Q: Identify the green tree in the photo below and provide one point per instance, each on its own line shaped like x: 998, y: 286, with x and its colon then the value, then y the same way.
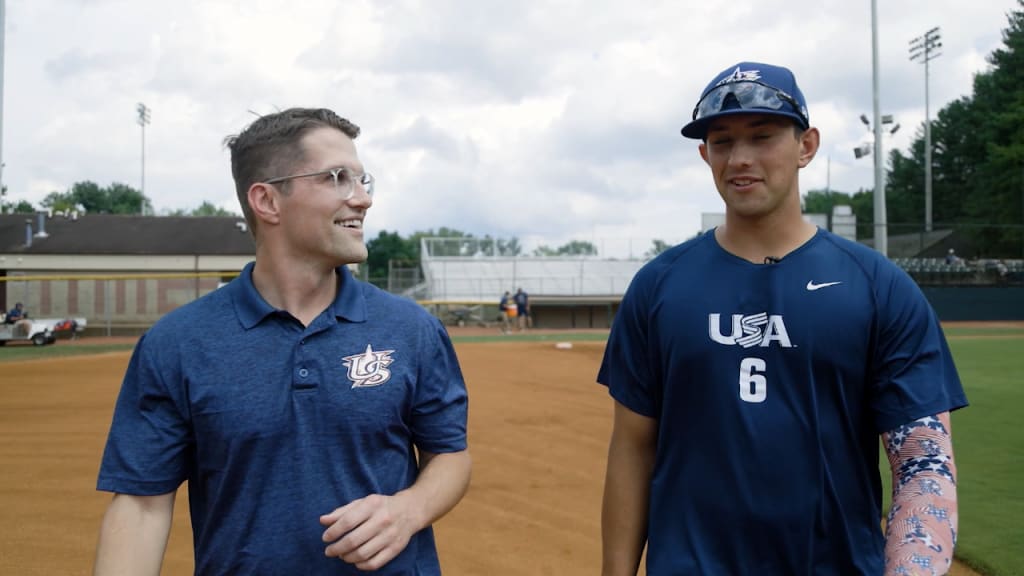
x: 58, y: 202
x: 116, y: 199
x: 124, y: 199
x: 387, y: 246
x: 204, y: 209
x: 572, y: 248
x: 22, y: 207
x: 863, y: 204
x: 977, y: 158
x: 822, y: 201
x: 657, y: 247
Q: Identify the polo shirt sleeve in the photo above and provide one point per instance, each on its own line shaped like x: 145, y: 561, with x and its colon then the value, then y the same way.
x: 914, y: 374
x: 150, y: 437
x: 440, y: 402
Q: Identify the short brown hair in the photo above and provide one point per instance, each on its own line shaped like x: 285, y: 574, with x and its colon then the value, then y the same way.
x: 269, y: 147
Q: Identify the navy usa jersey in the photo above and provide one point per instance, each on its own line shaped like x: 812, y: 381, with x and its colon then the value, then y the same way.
x: 771, y: 384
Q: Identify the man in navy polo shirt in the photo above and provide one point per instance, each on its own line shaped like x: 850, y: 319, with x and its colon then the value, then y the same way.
x: 320, y: 423
x: 754, y: 369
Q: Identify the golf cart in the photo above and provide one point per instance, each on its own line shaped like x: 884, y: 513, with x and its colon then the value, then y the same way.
x: 28, y: 330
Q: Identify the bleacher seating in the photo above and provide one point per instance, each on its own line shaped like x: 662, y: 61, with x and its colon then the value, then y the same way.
x: 935, y: 271
x: 485, y: 279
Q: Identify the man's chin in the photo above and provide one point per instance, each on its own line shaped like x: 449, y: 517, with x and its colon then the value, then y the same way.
x: 355, y: 256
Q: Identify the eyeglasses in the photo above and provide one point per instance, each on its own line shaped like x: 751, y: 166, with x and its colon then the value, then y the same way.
x: 750, y: 95
x: 344, y: 180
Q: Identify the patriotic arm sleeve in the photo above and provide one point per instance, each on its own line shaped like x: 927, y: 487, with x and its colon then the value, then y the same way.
x: 921, y: 528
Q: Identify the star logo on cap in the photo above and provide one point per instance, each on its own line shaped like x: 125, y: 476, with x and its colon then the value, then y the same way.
x: 741, y: 76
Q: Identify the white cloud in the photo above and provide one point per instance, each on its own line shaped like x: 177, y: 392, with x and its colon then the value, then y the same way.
x: 549, y: 121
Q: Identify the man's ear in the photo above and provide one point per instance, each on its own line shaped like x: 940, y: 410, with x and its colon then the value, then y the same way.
x: 704, y: 152
x: 810, y: 140
x: 265, y: 202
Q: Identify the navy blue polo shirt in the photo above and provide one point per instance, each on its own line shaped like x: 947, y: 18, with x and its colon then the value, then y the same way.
x: 273, y: 424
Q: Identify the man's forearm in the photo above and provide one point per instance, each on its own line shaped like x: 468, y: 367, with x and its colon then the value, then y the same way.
x: 627, y: 490
x: 442, y: 482
x: 133, y: 535
x: 921, y: 528
x: 624, y: 518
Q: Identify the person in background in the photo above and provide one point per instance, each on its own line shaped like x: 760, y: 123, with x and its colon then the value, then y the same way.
x: 18, y: 317
x: 319, y: 421
x: 754, y: 368
x: 507, y: 309
x: 522, y: 300
x: 15, y: 314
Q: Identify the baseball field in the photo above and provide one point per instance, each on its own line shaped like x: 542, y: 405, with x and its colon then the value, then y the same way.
x: 538, y: 428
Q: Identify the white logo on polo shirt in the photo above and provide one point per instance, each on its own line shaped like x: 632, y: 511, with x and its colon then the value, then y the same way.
x: 369, y: 368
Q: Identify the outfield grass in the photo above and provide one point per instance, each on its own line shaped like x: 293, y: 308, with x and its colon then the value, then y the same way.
x: 993, y: 332
x: 988, y: 442
x: 27, y: 352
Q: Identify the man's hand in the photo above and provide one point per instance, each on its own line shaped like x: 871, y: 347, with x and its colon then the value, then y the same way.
x: 369, y: 532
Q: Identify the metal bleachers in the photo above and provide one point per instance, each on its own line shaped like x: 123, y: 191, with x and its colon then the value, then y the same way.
x: 936, y: 271
x: 485, y: 279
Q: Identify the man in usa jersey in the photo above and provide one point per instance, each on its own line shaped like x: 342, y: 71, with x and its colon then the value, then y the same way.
x: 755, y: 368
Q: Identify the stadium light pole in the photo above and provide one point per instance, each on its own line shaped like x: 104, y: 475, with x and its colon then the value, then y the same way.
x: 924, y: 48
x: 142, y: 120
x: 881, y: 228
x: 866, y: 150
x: 3, y: 41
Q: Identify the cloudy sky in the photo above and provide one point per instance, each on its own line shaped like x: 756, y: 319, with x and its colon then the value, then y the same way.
x: 547, y: 120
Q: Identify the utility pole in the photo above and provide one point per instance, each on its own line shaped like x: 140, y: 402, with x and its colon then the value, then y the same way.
x: 143, y: 119
x: 881, y: 228
x: 924, y: 48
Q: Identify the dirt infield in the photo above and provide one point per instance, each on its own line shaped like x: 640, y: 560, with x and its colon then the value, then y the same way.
x: 538, y: 429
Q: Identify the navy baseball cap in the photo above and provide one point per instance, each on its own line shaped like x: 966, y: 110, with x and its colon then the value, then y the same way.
x: 745, y: 88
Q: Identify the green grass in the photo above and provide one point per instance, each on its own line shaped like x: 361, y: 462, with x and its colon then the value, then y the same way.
x: 988, y: 442
x: 11, y: 353
x: 1003, y: 331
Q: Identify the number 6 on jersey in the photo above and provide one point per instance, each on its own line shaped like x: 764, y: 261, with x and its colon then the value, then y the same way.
x: 753, y: 386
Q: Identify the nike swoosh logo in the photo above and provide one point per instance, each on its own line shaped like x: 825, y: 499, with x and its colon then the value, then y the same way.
x: 812, y: 286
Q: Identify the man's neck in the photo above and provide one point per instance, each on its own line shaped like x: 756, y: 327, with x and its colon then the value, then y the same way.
x: 760, y: 240
x: 304, y: 289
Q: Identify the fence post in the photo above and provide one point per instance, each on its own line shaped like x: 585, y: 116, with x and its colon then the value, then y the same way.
x: 106, y: 306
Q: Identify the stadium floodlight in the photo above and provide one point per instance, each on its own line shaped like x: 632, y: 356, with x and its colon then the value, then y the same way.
x: 142, y: 120
x: 925, y: 48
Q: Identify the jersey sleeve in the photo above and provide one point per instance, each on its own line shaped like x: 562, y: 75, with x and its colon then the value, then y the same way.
x: 626, y: 368
x: 914, y: 374
x: 150, y: 439
x: 441, y: 402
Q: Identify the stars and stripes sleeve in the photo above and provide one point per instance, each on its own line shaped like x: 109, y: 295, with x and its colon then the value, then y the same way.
x: 921, y: 527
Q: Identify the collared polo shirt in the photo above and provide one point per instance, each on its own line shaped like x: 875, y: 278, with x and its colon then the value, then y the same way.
x: 273, y: 423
